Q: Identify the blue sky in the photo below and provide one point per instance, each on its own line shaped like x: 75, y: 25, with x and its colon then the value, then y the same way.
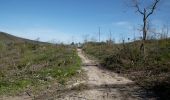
x: 70, y: 20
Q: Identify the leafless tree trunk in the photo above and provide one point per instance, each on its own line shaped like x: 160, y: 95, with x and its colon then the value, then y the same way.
x: 99, y: 42
x: 86, y: 38
x: 145, y: 12
x: 99, y: 34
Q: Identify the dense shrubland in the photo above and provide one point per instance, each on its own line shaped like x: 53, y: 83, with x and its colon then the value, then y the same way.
x: 152, y: 73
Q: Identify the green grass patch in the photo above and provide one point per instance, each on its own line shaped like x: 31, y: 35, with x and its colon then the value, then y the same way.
x: 24, y: 65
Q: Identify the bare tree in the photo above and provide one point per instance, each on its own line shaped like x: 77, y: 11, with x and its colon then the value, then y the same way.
x: 146, y: 12
x: 86, y: 38
x: 99, y: 34
x: 164, y: 34
x: 110, y: 40
x: 93, y: 39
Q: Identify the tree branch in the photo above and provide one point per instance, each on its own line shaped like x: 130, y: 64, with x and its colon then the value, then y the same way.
x: 153, y: 8
x: 138, y: 9
x: 136, y: 5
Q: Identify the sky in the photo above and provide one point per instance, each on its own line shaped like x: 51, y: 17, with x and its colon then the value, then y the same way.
x: 74, y: 20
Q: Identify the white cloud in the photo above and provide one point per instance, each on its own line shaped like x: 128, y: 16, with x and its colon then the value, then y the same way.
x: 123, y: 25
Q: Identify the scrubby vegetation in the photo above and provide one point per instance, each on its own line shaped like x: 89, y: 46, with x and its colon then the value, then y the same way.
x: 151, y: 73
x: 32, y: 65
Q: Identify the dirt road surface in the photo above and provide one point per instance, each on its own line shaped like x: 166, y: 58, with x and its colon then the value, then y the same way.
x: 104, y: 85
x: 100, y: 84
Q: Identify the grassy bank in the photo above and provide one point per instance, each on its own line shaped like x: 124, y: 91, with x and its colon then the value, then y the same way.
x: 153, y: 73
x: 26, y: 65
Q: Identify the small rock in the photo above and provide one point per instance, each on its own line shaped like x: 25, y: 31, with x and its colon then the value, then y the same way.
x: 48, y: 78
x: 79, y: 71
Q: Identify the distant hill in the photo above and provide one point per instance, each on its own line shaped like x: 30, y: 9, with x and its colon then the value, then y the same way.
x: 10, y: 38
x: 6, y: 37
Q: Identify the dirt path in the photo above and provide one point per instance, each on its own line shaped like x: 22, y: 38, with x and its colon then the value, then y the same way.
x: 100, y: 85
x: 103, y: 85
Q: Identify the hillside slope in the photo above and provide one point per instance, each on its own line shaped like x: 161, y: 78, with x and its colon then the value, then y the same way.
x: 10, y: 38
x: 30, y: 67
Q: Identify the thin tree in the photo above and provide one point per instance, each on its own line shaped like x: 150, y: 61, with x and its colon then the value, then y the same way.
x: 110, y: 37
x: 146, y: 12
x: 99, y: 42
x: 99, y: 34
x: 86, y: 38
